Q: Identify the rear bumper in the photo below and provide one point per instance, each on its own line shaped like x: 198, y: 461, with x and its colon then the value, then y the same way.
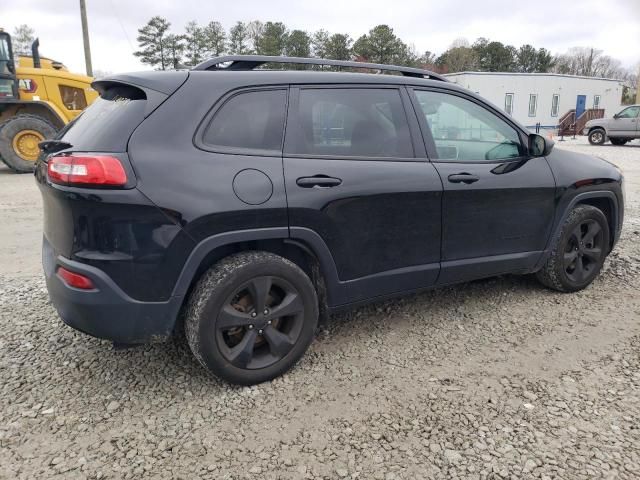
x: 106, y: 311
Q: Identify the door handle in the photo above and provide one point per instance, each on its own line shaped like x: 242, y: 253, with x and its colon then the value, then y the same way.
x: 463, y: 178
x: 321, y: 181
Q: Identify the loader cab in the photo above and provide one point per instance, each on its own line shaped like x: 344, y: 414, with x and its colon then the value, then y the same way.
x: 8, y: 80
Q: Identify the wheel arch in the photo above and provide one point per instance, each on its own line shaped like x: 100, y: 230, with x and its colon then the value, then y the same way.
x: 300, y: 251
x: 40, y: 109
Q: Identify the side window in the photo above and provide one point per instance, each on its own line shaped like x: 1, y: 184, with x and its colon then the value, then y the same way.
x: 508, y: 103
x: 359, y: 122
x: 555, y: 102
x: 533, y: 104
x: 631, y: 112
x: 463, y: 130
x: 596, y: 101
x: 251, y: 120
x: 73, y: 98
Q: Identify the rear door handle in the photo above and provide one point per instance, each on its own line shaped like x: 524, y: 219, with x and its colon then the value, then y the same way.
x: 321, y: 181
x: 463, y: 178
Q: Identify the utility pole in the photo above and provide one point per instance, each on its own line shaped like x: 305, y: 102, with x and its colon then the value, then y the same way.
x: 85, y: 37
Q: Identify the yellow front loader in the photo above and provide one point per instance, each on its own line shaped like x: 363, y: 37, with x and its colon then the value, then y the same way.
x: 38, y: 97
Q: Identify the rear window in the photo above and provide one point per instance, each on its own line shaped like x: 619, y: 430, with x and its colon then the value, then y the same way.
x: 108, y: 122
x: 251, y: 120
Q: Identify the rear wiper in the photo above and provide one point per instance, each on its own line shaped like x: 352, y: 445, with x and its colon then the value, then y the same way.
x: 50, y: 146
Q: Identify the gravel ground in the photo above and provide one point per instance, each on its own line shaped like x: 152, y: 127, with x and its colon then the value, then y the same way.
x: 497, y: 378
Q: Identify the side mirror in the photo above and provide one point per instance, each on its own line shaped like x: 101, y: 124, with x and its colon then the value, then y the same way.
x: 616, y: 116
x: 539, y: 146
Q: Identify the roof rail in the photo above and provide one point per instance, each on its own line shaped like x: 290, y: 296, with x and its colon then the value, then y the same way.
x: 250, y: 62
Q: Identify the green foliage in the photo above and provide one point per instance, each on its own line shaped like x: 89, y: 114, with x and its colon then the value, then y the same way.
x: 297, y: 44
x: 215, y: 39
x: 239, y: 39
x: 273, y: 39
x: 152, y: 41
x: 338, y: 47
x: 160, y: 49
x: 381, y: 45
x: 22, y: 38
x: 195, y: 45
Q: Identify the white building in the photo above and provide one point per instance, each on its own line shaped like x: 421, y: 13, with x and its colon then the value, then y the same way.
x: 542, y: 97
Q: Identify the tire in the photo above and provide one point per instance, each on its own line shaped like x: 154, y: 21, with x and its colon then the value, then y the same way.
x: 23, y: 132
x: 597, y: 136
x: 618, y: 141
x: 578, y: 252
x: 243, y: 341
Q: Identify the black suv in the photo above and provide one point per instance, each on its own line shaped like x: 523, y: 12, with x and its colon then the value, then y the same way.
x: 243, y: 203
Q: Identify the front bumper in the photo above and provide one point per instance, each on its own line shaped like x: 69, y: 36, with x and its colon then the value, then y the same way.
x: 106, y: 311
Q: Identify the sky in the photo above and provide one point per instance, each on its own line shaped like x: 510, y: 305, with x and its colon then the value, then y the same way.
x: 611, y: 25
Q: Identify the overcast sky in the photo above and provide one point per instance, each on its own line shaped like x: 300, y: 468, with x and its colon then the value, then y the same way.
x: 609, y: 25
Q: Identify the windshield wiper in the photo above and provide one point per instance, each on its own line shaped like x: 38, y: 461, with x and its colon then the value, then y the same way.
x: 50, y: 146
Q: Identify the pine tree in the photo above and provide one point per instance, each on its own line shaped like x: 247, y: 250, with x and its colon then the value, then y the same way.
x: 151, y: 39
x: 239, y: 39
x: 215, y: 39
x: 195, y: 44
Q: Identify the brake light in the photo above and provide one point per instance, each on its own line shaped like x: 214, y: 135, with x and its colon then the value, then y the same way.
x: 86, y: 170
x: 75, y: 279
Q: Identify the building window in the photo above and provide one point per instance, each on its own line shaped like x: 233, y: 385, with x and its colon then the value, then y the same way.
x: 533, y: 104
x: 596, y: 101
x: 555, y: 104
x: 508, y: 103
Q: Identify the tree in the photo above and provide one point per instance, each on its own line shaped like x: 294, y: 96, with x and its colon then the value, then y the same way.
x: 319, y: 42
x: 380, y: 45
x: 151, y: 39
x: 238, y: 39
x: 544, y: 61
x: 215, y: 39
x: 273, y: 39
x: 457, y: 59
x: 589, y: 62
x: 298, y: 44
x: 338, y: 47
x: 174, y: 46
x: 494, y: 56
x: 255, y: 28
x: 195, y: 45
x: 527, y: 59
x: 23, y: 37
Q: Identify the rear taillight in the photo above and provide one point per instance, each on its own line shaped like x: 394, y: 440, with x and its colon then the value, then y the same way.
x: 86, y: 170
x: 75, y: 279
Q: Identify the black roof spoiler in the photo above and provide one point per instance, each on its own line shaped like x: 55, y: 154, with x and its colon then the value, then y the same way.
x: 250, y: 62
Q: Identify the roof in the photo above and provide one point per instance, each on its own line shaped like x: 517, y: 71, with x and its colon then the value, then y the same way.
x: 524, y: 74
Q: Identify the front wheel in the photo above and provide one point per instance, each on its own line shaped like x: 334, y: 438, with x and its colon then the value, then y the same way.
x: 579, y: 251
x: 251, y: 317
x: 597, y: 136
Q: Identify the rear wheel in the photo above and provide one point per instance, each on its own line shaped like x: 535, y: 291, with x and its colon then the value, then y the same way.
x: 597, y: 136
x: 579, y: 251
x: 618, y: 141
x: 251, y: 317
x: 19, y: 138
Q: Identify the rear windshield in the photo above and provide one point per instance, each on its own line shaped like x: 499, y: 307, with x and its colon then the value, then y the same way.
x: 107, y: 124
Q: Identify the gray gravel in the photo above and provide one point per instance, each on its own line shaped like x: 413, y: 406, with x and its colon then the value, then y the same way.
x: 497, y: 378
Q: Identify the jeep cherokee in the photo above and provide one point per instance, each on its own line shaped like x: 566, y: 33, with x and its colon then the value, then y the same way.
x: 240, y: 204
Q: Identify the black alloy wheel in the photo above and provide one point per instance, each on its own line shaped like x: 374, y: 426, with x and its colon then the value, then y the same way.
x: 584, y: 250
x: 260, y: 322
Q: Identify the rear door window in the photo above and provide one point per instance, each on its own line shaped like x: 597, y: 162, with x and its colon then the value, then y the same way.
x: 251, y: 121
x: 351, y: 122
x: 107, y: 124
